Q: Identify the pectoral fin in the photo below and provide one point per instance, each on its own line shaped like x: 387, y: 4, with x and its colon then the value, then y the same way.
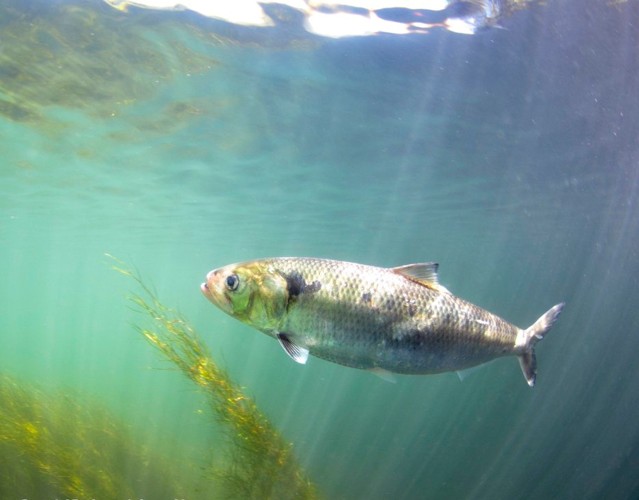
x: 297, y: 353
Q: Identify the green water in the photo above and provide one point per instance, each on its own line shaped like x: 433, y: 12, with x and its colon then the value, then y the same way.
x: 509, y: 157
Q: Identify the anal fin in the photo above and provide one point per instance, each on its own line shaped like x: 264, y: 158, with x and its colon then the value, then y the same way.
x: 467, y: 372
x: 383, y: 374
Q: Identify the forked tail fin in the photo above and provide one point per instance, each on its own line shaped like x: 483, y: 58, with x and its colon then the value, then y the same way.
x: 532, y: 335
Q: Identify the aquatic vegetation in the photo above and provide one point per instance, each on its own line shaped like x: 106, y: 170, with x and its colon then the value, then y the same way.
x: 262, y: 463
x: 59, y: 445
x: 84, y: 55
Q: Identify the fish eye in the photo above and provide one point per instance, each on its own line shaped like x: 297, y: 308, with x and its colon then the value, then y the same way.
x: 232, y: 282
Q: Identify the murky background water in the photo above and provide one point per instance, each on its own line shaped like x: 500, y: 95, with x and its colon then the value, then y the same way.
x: 180, y: 144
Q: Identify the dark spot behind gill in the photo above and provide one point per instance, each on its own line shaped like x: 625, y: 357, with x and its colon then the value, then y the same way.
x: 313, y: 287
x: 296, y: 285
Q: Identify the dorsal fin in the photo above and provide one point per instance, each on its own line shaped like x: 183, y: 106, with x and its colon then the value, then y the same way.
x: 424, y: 273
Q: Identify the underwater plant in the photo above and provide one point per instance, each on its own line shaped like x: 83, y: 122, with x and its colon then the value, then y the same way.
x: 84, y: 56
x: 262, y: 463
x: 54, y: 444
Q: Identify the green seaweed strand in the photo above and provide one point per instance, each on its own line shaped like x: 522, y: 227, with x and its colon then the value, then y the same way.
x: 262, y: 462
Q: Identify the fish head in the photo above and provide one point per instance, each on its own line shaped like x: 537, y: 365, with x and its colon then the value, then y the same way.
x: 252, y: 292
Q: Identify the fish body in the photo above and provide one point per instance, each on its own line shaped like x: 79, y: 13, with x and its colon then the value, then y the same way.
x: 398, y: 320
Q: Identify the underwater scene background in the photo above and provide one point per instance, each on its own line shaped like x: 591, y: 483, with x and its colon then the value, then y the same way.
x: 179, y: 144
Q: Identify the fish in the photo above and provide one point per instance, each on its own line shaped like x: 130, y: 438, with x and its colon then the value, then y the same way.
x: 386, y: 320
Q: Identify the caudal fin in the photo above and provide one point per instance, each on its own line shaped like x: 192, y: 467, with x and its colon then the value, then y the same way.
x: 530, y: 336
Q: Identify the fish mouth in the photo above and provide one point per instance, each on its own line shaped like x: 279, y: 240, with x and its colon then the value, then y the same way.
x: 213, y: 291
x: 210, y: 289
x: 208, y: 293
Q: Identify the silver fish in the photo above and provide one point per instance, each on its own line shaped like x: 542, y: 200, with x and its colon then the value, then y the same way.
x: 398, y: 320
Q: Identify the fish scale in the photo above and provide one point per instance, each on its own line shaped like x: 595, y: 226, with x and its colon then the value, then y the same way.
x: 398, y: 320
